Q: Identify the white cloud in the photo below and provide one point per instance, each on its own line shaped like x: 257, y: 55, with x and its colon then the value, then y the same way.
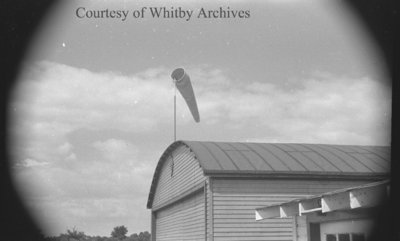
x: 78, y: 173
x: 63, y: 98
x: 117, y: 150
x: 322, y: 108
x: 32, y: 163
x: 65, y: 148
x: 71, y: 157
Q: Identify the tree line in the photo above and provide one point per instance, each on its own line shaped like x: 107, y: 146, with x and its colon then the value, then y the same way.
x: 119, y: 233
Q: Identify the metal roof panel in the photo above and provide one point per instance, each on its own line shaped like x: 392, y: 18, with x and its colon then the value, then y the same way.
x: 201, y: 151
x: 358, y: 149
x: 283, y: 160
x: 307, y: 162
x: 379, y: 150
x: 298, y: 147
x: 284, y: 147
x: 378, y: 160
x: 331, y: 156
x: 240, y: 160
x: 257, y: 162
x: 269, y: 158
x: 286, y: 159
x: 321, y: 162
x: 371, y: 164
x: 348, y: 158
x: 224, y: 160
x: 239, y: 146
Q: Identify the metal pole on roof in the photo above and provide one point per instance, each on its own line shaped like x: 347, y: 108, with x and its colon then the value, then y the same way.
x: 174, y: 110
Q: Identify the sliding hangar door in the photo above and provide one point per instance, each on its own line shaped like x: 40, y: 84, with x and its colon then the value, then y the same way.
x: 183, y: 220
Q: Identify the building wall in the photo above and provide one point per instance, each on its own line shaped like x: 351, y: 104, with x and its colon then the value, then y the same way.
x: 179, y: 204
x: 186, y: 175
x: 184, y: 220
x: 209, y: 204
x: 234, y: 202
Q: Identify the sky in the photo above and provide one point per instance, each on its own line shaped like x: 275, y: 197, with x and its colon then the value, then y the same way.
x: 92, y: 112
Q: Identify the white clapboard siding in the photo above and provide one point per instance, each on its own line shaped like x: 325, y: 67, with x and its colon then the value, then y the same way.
x: 234, y: 202
x: 183, y: 220
x: 209, y: 212
x: 187, y: 174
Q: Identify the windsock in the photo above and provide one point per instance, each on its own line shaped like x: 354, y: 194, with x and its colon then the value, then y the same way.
x: 182, y: 82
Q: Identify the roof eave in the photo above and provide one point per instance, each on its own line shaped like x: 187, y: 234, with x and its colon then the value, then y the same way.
x: 295, y: 175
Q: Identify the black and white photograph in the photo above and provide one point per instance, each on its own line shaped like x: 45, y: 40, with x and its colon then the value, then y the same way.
x: 176, y: 120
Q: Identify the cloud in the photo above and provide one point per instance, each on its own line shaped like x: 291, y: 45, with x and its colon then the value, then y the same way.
x: 77, y: 97
x: 117, y: 150
x: 322, y: 108
x: 90, y: 141
x: 31, y: 163
x: 65, y: 148
x: 56, y: 99
x: 53, y: 100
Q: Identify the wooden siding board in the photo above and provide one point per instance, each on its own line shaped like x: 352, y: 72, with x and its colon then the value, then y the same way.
x: 183, y: 220
x: 247, y: 189
x: 253, y: 239
x: 239, y: 221
x: 272, y: 221
x: 251, y: 225
x: 187, y: 174
x: 279, y: 238
x: 256, y: 203
x: 252, y: 233
x: 206, y: 207
x: 235, y: 200
x: 210, y: 229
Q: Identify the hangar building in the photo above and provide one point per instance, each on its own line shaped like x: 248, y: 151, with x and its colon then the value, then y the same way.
x: 210, y: 190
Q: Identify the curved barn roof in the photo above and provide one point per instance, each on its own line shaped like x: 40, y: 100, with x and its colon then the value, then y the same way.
x: 283, y: 160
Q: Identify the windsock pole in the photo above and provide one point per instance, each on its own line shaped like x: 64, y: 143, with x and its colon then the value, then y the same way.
x: 174, y: 110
